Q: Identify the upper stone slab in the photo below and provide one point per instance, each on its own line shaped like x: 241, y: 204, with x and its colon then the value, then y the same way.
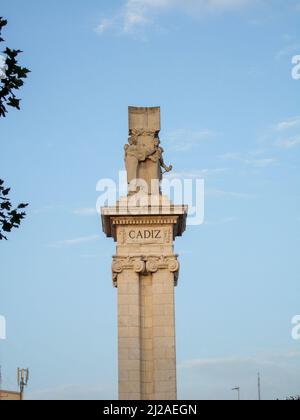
x: 133, y: 210
x: 141, y: 118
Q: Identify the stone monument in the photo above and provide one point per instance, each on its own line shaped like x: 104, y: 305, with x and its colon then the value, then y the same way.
x: 145, y: 268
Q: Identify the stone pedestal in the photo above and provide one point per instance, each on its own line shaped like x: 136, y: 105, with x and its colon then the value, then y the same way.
x: 145, y: 271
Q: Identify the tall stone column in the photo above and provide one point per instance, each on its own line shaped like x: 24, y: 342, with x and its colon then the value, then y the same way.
x: 145, y: 268
x: 145, y: 271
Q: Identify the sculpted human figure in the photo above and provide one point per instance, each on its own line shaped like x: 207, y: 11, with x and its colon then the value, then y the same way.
x: 158, y: 158
x: 131, y: 159
x: 144, y: 159
x: 134, y: 154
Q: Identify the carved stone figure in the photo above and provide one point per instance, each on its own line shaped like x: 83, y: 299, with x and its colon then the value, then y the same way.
x: 157, y: 157
x: 144, y: 161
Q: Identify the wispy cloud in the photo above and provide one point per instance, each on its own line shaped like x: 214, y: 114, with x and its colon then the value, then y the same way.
x: 75, y: 241
x: 269, y: 359
x: 213, y: 378
x: 193, y: 363
x: 251, y: 159
x: 89, y: 256
x: 104, y: 25
x: 224, y: 221
x: 182, y: 140
x: 288, y: 50
x: 289, y: 143
x: 48, y: 209
x: 231, y: 194
x: 286, y: 133
x: 288, y: 124
x: 86, y: 211
x: 136, y: 14
x: 73, y: 392
x: 196, y: 174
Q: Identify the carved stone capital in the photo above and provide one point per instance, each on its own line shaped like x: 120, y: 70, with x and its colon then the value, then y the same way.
x: 139, y: 266
x: 117, y: 266
x: 173, y: 265
x: 151, y: 265
x: 145, y: 265
x: 130, y: 263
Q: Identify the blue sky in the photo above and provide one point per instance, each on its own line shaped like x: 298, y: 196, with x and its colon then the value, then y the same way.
x: 221, y: 72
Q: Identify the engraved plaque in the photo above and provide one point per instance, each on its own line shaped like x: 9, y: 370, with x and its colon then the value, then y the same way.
x: 145, y: 235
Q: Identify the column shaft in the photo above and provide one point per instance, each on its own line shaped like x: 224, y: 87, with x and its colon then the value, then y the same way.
x: 147, y: 366
x: 164, y: 347
x: 146, y: 331
x: 129, y: 335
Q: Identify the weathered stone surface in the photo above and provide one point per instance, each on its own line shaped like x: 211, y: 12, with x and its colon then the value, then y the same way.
x: 9, y: 396
x: 143, y: 154
x: 145, y: 271
x: 146, y: 212
x: 141, y: 118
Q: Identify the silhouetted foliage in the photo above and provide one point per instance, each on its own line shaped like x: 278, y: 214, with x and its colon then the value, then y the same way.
x: 294, y: 398
x: 9, y: 218
x: 11, y: 79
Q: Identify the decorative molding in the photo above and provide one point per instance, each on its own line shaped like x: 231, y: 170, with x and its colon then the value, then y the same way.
x: 126, y: 221
x: 145, y: 265
x: 124, y: 214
